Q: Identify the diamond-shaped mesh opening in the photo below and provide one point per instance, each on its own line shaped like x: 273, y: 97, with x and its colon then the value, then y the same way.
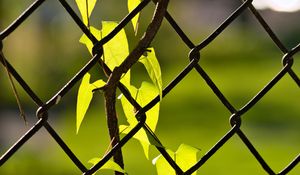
x: 266, y: 124
x: 40, y: 154
x: 232, y: 153
x: 81, y: 144
x: 234, y: 68
x: 35, y: 48
x: 182, y: 108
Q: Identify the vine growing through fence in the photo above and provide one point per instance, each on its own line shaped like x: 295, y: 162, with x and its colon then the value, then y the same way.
x: 115, y: 53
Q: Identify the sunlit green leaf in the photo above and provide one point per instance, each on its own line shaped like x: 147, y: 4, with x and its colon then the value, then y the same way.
x: 84, y: 97
x: 85, y: 40
x: 153, y: 68
x: 162, y: 166
x: 185, y: 157
x: 132, y: 4
x: 109, y: 165
x: 116, y: 50
x: 145, y: 138
x: 143, y: 95
x: 86, y: 7
x: 97, y: 84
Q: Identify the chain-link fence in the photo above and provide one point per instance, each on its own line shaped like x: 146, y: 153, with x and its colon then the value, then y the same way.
x: 194, y: 64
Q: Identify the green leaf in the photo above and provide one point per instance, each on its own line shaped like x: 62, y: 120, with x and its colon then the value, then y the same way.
x: 116, y: 50
x: 97, y: 84
x: 185, y: 157
x: 109, y: 165
x: 162, y: 166
x: 153, y: 68
x: 85, y: 40
x: 84, y: 97
x: 132, y: 4
x: 145, y: 138
x: 86, y: 7
x: 143, y: 95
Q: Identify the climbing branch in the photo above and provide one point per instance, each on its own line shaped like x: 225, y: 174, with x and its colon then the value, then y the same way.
x: 115, y: 76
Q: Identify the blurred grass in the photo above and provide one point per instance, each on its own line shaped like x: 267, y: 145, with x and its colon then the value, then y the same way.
x: 190, y: 114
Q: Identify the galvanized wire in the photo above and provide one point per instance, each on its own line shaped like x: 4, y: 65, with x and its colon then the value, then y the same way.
x: 194, y: 56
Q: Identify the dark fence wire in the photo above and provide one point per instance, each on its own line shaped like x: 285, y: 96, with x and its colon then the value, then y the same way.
x: 194, y: 56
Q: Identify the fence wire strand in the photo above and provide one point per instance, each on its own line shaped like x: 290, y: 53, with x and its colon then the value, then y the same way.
x: 194, y: 63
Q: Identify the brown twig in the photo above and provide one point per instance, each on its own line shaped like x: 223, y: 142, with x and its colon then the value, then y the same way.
x: 15, y: 92
x: 115, y: 76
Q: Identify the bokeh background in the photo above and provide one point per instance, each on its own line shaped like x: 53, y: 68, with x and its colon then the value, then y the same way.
x: 45, y: 50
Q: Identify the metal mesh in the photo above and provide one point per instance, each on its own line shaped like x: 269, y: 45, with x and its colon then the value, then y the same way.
x: 194, y: 57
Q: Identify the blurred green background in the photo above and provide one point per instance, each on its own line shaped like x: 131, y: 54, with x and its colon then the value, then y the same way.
x: 45, y: 50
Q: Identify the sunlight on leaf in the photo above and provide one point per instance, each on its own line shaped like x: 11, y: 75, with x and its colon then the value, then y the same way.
x: 86, y: 7
x: 97, y: 84
x: 132, y: 4
x: 143, y: 136
x: 185, y: 157
x: 143, y: 95
x: 153, y: 68
x: 109, y: 165
x: 83, y: 100
x: 116, y: 50
x: 85, y: 40
x: 162, y: 166
x: 84, y: 97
